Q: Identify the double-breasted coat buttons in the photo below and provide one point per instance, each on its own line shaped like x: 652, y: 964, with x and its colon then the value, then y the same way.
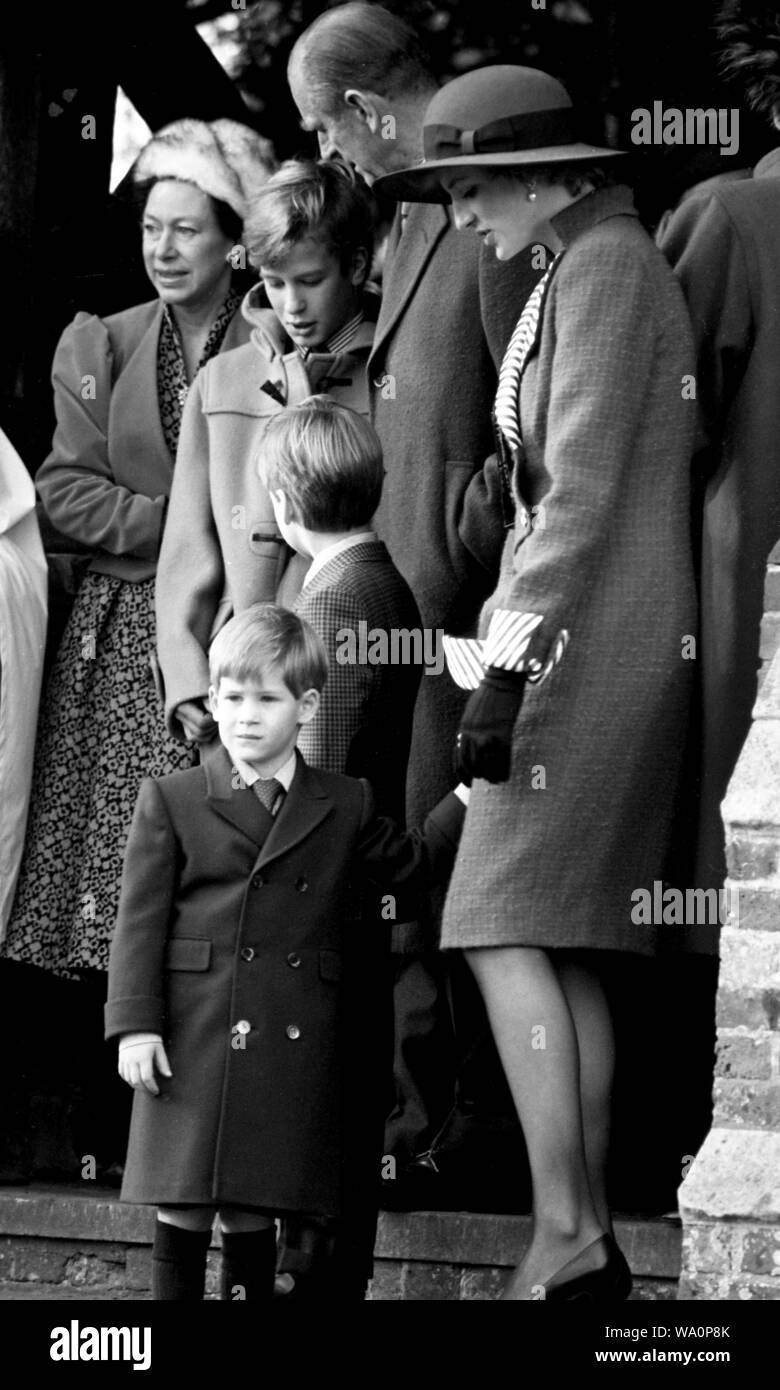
x: 294, y: 960
x: 293, y: 1031
x: 247, y: 953
x: 301, y: 884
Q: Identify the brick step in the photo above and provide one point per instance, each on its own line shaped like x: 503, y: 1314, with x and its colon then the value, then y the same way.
x: 62, y: 1243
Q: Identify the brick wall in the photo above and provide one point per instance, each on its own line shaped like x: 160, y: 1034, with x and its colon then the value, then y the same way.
x: 770, y: 624
x: 68, y: 1244
x: 730, y: 1200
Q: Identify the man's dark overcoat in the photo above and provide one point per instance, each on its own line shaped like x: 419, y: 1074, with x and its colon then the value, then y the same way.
x: 724, y: 243
x: 448, y: 309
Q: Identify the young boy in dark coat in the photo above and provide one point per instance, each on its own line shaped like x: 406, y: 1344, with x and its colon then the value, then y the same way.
x: 237, y: 971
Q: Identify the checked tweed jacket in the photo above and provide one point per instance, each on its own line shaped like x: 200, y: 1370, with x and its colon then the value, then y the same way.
x: 364, y: 724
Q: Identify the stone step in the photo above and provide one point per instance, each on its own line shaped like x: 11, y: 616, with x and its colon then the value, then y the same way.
x: 60, y: 1242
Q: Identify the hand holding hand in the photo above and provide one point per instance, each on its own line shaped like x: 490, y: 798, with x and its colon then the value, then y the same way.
x: 484, y: 747
x: 138, y: 1060
x: 196, y: 721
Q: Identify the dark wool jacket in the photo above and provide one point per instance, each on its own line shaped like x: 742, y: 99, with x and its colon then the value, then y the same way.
x: 724, y: 243
x: 244, y: 947
x: 448, y: 309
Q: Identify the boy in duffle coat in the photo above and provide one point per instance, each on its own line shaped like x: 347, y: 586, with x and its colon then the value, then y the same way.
x: 241, y: 970
x: 309, y: 234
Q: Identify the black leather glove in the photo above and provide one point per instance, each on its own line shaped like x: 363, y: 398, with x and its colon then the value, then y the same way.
x: 484, y: 747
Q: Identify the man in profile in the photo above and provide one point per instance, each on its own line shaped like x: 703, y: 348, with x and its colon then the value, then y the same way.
x: 362, y: 83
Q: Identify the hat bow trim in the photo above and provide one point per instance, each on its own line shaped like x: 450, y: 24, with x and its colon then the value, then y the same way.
x: 528, y: 131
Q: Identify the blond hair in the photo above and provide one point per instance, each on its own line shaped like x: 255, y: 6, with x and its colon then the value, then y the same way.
x: 327, y: 460
x: 305, y: 198
x: 268, y: 635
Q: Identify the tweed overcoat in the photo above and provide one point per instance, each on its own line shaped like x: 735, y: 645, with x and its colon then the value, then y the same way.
x: 108, y: 476
x: 243, y: 946
x: 222, y: 551
x: 356, y: 602
x: 724, y: 243
x: 448, y: 309
x: 601, y: 549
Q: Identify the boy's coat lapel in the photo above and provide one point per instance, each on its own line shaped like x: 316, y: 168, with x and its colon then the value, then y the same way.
x: 304, y: 807
x: 232, y: 801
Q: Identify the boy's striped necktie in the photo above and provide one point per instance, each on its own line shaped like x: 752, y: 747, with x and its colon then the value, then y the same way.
x: 271, y: 792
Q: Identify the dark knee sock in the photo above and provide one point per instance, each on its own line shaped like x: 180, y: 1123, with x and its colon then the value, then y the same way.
x: 179, y: 1263
x: 248, y: 1265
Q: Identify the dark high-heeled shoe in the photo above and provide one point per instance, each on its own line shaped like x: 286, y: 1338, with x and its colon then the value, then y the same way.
x: 598, y: 1274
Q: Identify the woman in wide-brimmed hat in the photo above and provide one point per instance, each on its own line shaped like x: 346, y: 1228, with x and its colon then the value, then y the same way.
x: 575, y: 732
x: 120, y: 384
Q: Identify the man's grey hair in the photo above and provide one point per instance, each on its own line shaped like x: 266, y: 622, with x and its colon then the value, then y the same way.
x: 362, y: 46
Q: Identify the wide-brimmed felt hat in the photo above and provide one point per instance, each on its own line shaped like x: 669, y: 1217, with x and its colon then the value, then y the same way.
x: 223, y: 158
x: 500, y: 116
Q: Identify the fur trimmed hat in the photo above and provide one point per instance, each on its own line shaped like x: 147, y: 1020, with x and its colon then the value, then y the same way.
x: 223, y: 158
x: 749, y: 34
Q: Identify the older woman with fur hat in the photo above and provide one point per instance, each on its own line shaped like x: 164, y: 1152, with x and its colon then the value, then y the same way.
x: 575, y: 730
x: 120, y: 384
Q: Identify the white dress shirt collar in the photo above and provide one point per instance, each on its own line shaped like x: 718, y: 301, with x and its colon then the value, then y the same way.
x: 346, y: 543
x: 285, y: 774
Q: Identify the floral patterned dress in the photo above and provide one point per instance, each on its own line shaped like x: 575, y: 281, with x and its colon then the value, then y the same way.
x: 100, y: 733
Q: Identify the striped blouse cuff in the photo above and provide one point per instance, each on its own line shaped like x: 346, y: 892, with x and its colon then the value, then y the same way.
x: 464, y: 661
x: 509, y: 637
x: 507, y: 646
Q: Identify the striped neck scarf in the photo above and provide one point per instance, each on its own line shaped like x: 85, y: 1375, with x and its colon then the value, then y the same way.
x: 506, y: 408
x: 338, y: 341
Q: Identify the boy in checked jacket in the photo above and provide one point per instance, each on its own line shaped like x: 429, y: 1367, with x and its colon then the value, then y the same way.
x: 241, y: 971
x: 322, y: 465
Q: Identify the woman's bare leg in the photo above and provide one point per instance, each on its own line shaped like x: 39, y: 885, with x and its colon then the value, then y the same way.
x: 593, y: 1023
x: 535, y: 1034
